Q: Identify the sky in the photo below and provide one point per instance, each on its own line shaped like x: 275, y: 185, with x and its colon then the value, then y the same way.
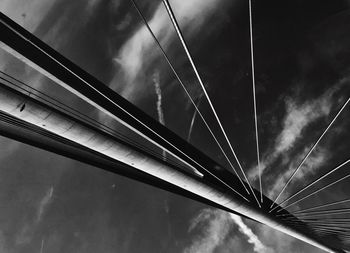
x: 49, y: 203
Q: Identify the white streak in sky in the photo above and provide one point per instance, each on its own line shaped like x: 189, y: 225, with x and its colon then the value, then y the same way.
x: 156, y: 83
x: 259, y: 247
x: 211, y: 228
x: 191, y: 126
x: 45, y: 201
x: 193, y: 120
x: 27, y: 231
x: 42, y: 246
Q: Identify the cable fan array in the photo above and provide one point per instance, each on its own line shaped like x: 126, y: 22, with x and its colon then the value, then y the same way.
x: 326, y: 220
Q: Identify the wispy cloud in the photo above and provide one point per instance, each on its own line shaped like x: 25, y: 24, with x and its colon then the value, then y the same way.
x: 27, y: 231
x: 297, y: 118
x: 293, y: 141
x: 25, y: 235
x: 44, y: 202
x: 211, y: 227
x: 124, y: 24
x: 275, y: 239
x: 213, y: 230
x: 314, y: 162
x: 139, y: 52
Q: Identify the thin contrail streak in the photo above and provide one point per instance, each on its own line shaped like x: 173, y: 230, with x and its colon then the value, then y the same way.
x: 42, y: 246
x: 156, y: 82
x: 45, y: 201
x: 193, y: 120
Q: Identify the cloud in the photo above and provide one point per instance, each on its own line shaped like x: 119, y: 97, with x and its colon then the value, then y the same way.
x: 253, y: 239
x: 139, y: 51
x: 44, y: 202
x: 232, y: 245
x: 27, y: 232
x: 275, y: 239
x: 314, y: 162
x: 297, y: 118
x: 125, y: 23
x: 25, y: 235
x: 26, y: 13
x: 293, y: 141
x: 211, y: 228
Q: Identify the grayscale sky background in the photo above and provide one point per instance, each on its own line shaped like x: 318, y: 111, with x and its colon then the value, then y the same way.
x: 302, y: 54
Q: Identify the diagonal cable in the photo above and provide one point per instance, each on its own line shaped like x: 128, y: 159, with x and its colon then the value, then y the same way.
x: 254, y: 96
x: 315, y: 182
x: 329, y: 219
x: 324, y: 214
x: 183, y: 42
x: 320, y: 222
x: 331, y: 211
x: 310, y: 151
x: 319, y: 190
x: 322, y: 206
x: 186, y: 91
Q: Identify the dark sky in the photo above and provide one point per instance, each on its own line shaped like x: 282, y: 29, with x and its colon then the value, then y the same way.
x: 302, y: 56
